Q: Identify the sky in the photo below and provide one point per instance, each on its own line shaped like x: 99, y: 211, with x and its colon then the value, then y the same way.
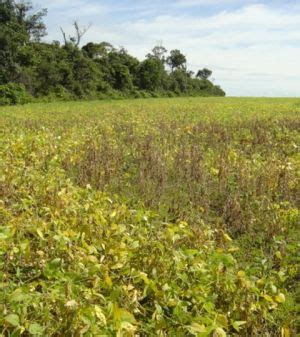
x: 252, y: 47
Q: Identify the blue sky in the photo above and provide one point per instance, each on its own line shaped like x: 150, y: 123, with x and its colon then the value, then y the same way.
x: 253, y: 47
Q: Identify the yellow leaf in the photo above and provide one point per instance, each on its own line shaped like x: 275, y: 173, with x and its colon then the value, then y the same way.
x: 285, y: 332
x: 122, y: 315
x: 233, y: 249
x: 196, y: 328
x: 280, y: 298
x: 108, y: 280
x: 267, y: 298
x: 118, y: 265
x: 40, y: 234
x: 100, y: 315
x: 113, y: 214
x: 214, y: 171
x: 227, y: 237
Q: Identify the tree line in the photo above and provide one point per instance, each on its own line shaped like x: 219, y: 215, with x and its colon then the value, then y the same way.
x: 31, y: 68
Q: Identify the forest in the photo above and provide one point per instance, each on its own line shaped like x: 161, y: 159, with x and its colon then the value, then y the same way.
x: 33, y: 69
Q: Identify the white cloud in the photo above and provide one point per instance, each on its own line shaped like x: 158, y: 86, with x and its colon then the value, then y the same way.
x: 253, y: 50
x: 194, y: 3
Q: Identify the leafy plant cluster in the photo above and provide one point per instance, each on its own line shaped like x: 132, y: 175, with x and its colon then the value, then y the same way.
x: 13, y: 93
x: 54, y: 71
x: 149, y: 218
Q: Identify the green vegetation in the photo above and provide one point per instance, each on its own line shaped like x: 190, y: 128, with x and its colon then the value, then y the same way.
x: 13, y: 93
x: 51, y: 71
x: 166, y: 217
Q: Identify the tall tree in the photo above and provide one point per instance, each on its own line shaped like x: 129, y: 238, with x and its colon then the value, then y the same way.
x: 151, y: 73
x: 159, y: 53
x: 12, y: 37
x: 18, y: 26
x: 98, y: 50
x: 32, y: 21
x: 176, y: 60
x: 204, y: 74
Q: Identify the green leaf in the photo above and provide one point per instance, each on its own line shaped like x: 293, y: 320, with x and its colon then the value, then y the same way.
x: 237, y: 324
x: 123, y: 315
x: 209, y: 306
x: 13, y: 319
x: 55, y: 263
x: 196, y: 328
x: 219, y: 332
x: 40, y: 234
x: 36, y: 329
x: 19, y: 295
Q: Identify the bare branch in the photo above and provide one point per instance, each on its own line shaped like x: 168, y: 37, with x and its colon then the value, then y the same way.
x: 80, y: 32
x: 64, y: 35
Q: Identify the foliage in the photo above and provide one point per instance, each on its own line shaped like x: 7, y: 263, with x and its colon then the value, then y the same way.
x: 52, y: 71
x: 201, y: 239
x: 12, y: 37
x: 204, y: 73
x: 159, y: 53
x: 32, y: 22
x: 13, y: 93
x: 151, y: 74
x: 176, y: 60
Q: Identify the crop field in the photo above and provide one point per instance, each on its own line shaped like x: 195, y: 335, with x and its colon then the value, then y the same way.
x: 155, y: 217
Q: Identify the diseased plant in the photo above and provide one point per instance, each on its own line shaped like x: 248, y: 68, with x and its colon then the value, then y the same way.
x: 149, y: 218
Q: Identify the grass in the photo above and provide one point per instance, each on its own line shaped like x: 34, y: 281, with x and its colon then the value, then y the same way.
x: 150, y: 217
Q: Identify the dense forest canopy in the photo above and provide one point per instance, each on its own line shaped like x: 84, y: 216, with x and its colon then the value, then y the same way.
x: 31, y: 68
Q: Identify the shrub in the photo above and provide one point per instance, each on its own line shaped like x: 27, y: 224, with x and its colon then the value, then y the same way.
x: 13, y: 93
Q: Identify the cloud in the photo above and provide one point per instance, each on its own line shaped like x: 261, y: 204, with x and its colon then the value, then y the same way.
x: 74, y: 9
x: 201, y: 3
x: 252, y: 48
